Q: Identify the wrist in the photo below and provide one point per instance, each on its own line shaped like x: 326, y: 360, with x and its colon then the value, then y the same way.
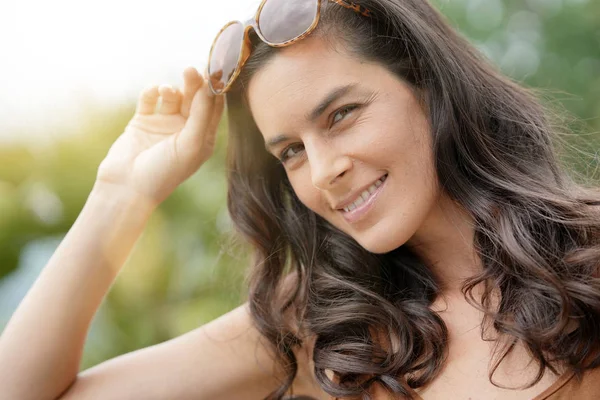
x: 112, y: 196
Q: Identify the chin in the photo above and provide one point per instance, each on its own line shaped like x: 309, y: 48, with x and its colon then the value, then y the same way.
x: 380, y: 245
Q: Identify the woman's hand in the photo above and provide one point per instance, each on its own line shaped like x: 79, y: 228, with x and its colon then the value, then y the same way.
x: 164, y: 145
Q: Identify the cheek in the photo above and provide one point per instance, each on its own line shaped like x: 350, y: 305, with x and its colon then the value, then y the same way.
x: 407, y: 140
x: 379, y: 137
x: 307, y: 193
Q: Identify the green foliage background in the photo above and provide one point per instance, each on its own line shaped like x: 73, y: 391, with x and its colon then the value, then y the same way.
x: 186, y: 270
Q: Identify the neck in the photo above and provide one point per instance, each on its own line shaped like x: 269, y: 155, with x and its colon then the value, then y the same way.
x: 445, y: 243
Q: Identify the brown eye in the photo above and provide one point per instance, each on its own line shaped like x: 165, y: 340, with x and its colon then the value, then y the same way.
x: 287, y: 153
x: 343, y: 112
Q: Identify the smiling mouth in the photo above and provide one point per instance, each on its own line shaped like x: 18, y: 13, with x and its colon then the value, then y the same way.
x: 365, y: 195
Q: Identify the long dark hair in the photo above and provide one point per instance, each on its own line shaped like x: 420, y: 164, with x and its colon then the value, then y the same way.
x: 496, y: 154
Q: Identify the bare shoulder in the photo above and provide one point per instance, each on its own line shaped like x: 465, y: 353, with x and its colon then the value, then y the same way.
x: 226, y: 358
x: 305, y: 382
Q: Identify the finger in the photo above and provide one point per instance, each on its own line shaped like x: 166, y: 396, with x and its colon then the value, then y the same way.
x: 215, y: 79
x: 170, y: 100
x: 212, y: 129
x: 147, y: 100
x: 201, y: 115
x: 210, y: 134
x: 192, y: 81
x: 215, y: 76
x: 217, y: 114
x: 219, y: 104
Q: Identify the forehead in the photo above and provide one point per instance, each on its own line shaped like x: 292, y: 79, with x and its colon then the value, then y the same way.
x: 297, y: 78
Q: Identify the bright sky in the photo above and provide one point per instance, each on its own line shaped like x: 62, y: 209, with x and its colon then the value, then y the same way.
x: 58, y: 56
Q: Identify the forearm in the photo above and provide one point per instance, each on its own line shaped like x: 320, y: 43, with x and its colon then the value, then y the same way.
x: 41, y: 347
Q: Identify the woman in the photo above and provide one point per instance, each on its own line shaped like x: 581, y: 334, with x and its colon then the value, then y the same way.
x: 415, y: 235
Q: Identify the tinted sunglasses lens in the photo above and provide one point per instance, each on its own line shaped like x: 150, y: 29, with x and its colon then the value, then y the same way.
x: 225, y: 55
x: 283, y: 20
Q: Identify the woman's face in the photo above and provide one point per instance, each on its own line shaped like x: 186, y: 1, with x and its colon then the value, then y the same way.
x: 346, y: 130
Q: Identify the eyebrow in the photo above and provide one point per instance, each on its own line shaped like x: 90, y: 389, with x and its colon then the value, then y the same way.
x: 333, y: 95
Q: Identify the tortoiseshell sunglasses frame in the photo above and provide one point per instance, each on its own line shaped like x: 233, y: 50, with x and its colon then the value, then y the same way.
x: 254, y: 23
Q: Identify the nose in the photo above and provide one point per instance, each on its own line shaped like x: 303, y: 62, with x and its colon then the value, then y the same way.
x: 327, y: 164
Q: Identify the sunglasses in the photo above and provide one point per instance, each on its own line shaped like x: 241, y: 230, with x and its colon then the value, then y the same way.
x: 278, y: 23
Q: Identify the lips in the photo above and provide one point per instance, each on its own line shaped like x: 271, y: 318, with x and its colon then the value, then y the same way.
x: 354, y: 213
x: 354, y: 196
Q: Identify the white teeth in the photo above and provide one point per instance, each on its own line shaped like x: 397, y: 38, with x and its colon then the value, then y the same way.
x: 365, y: 195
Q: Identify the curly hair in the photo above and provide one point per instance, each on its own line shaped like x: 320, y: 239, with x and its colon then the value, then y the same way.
x: 496, y: 154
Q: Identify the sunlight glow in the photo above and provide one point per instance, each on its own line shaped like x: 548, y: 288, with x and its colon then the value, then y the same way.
x: 61, y: 56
